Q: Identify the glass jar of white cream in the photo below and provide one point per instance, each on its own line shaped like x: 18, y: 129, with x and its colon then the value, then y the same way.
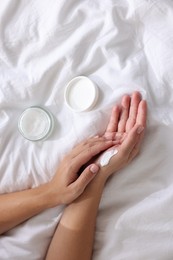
x: 35, y: 123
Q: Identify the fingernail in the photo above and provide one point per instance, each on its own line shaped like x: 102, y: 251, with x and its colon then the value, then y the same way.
x: 94, y: 168
x: 96, y: 136
x: 140, y: 129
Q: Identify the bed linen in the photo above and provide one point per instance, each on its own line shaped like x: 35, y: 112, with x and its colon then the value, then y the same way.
x: 122, y: 46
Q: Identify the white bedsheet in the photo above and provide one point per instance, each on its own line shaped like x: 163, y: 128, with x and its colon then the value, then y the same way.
x: 123, y: 46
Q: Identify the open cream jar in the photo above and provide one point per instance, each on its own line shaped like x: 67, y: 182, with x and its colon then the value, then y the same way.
x: 81, y: 94
x: 35, y: 123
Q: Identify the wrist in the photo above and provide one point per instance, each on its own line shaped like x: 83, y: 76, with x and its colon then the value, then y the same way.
x: 106, y: 172
x: 98, y: 182
x: 103, y: 175
x: 49, y: 196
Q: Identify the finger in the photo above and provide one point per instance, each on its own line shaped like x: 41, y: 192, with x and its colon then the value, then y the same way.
x: 113, y: 136
x: 131, y: 139
x: 85, y: 178
x: 117, y: 137
x: 81, y: 146
x: 113, y: 122
x: 124, y: 113
x: 135, y: 100
x: 142, y: 113
x: 88, y: 152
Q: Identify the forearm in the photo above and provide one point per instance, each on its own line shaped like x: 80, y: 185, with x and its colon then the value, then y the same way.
x: 64, y: 187
x: 74, y: 236
x: 20, y: 206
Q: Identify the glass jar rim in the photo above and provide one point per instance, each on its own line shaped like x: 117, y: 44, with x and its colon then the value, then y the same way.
x: 44, y: 134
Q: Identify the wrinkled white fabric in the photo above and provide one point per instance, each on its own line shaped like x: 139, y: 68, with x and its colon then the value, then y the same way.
x: 122, y: 46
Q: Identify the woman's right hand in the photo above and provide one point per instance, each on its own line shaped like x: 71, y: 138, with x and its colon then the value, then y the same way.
x: 67, y: 184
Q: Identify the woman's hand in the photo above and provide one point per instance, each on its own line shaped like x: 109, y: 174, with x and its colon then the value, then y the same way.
x: 67, y: 184
x: 133, y: 110
x: 126, y: 126
x: 124, y: 152
x: 121, y: 133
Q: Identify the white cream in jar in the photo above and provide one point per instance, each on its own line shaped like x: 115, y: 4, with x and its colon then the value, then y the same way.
x: 35, y: 123
x: 81, y: 94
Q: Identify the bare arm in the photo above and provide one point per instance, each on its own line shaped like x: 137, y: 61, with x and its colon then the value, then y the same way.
x: 20, y: 206
x: 65, y: 186
x: 74, y: 236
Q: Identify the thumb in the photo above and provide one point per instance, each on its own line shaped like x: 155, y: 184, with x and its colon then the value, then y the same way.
x: 86, y: 176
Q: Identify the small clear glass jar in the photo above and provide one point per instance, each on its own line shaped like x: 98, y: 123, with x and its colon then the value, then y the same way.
x: 35, y: 123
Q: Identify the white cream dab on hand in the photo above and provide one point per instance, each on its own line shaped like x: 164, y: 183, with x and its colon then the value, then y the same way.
x: 106, y: 156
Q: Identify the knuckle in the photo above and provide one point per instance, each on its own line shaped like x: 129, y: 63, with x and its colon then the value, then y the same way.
x: 90, y: 151
x: 89, y: 145
x: 89, y: 141
x: 77, y: 190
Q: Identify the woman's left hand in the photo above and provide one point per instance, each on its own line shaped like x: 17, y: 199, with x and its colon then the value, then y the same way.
x: 126, y: 126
